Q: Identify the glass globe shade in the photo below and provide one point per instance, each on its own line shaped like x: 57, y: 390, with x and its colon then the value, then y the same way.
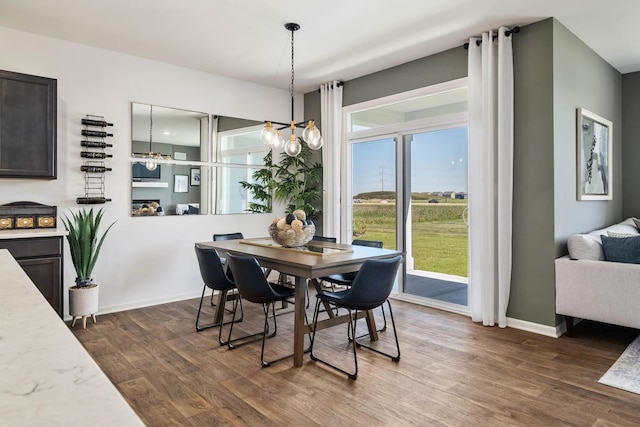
x: 151, y: 166
x: 316, y: 144
x: 292, y: 147
x: 268, y: 134
x: 277, y: 142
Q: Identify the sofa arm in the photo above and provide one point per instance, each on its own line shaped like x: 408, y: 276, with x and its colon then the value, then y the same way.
x: 598, y: 290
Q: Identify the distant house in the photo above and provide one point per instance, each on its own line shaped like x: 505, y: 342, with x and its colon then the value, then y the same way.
x: 460, y: 196
x: 450, y: 194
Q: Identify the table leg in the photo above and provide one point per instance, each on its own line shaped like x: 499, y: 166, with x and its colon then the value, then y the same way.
x: 219, y: 312
x: 371, y: 324
x: 298, y: 321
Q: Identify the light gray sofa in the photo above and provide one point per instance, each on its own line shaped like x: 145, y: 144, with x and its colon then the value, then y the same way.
x: 588, y: 287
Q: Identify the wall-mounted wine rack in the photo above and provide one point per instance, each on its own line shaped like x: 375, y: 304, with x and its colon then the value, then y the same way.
x: 93, y: 150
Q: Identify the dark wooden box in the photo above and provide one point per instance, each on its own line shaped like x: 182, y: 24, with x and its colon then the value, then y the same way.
x: 24, y: 215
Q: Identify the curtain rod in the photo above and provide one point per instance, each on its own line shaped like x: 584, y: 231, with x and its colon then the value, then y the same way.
x: 514, y: 30
x: 337, y: 85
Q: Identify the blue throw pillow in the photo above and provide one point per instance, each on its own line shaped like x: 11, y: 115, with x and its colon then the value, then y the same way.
x: 621, y: 249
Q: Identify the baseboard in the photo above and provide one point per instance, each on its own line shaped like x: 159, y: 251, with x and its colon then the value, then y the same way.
x: 536, y: 328
x: 142, y: 304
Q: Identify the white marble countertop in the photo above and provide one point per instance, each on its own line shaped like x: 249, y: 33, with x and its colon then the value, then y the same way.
x: 28, y: 233
x: 46, y: 376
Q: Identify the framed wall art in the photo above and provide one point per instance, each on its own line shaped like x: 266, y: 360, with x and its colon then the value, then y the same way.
x: 594, y: 136
x: 195, y: 176
x: 180, y: 183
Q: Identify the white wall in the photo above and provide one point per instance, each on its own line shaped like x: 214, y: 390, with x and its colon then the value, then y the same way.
x: 144, y: 260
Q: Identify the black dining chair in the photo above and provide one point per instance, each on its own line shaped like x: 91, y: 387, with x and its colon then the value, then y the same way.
x: 254, y: 287
x: 370, y: 289
x: 214, y: 278
x: 346, y: 279
x: 227, y: 236
x: 221, y: 237
x: 324, y: 239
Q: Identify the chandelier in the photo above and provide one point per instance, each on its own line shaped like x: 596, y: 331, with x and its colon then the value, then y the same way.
x: 270, y: 135
x: 150, y: 164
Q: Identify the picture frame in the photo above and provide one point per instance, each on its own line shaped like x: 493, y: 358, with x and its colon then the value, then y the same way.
x: 195, y: 176
x: 180, y: 183
x: 594, y: 135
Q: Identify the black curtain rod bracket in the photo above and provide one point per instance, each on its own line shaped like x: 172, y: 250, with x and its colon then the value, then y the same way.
x: 514, y: 30
x: 337, y: 84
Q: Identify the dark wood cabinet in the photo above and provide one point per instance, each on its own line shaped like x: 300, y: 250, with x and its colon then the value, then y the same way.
x: 28, y: 121
x: 41, y: 259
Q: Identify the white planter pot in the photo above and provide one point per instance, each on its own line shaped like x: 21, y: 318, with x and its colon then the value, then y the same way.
x: 83, y: 302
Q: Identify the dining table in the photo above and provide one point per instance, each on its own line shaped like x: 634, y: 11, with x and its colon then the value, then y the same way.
x: 307, y: 264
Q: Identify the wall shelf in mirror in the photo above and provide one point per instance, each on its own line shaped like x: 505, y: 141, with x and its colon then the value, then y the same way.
x: 150, y: 184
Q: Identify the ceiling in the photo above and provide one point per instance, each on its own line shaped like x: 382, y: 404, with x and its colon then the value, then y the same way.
x: 339, y: 40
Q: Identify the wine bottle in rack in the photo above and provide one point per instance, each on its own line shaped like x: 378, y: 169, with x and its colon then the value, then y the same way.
x: 91, y: 200
x: 94, y: 169
x: 95, y: 144
x: 92, y: 155
x: 100, y: 123
x: 96, y: 133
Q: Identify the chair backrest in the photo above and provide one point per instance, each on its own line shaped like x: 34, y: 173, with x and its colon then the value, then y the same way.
x: 373, y: 283
x: 250, y: 279
x: 211, y: 269
x: 324, y: 239
x: 228, y: 236
x: 370, y: 243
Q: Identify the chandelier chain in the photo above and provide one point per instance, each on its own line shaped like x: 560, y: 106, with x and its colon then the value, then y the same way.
x: 291, y: 88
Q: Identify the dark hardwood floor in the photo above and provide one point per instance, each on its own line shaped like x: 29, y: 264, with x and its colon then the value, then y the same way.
x: 452, y: 372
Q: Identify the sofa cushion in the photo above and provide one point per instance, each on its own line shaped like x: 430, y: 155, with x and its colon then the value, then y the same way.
x: 636, y: 221
x: 589, y: 246
x: 622, y: 249
x: 585, y: 246
x: 616, y: 234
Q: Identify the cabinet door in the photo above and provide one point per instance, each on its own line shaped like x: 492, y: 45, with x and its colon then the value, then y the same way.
x: 27, y: 126
x: 45, y: 273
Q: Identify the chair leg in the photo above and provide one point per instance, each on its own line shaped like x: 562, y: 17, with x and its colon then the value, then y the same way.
x: 230, y: 342
x: 395, y: 358
x: 351, y: 330
x: 222, y: 322
x: 200, y: 328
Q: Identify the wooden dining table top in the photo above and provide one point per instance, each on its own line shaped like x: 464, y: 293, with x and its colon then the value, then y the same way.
x: 302, y: 262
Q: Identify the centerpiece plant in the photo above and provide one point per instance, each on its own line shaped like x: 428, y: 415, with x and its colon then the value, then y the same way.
x: 293, y: 180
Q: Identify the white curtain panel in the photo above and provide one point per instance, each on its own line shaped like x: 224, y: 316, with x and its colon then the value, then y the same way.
x: 490, y: 176
x: 331, y: 129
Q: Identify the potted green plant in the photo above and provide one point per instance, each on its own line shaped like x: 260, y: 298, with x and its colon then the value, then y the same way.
x: 293, y: 180
x: 84, y: 245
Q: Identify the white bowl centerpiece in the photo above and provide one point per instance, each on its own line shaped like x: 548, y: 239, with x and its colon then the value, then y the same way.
x: 292, y: 231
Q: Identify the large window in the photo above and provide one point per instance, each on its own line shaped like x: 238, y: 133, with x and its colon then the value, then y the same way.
x: 407, y: 162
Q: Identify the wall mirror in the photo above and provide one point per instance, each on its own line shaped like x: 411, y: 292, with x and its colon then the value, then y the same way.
x: 239, y: 152
x: 171, y: 145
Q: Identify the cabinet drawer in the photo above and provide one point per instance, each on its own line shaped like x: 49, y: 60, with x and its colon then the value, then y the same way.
x: 33, y: 247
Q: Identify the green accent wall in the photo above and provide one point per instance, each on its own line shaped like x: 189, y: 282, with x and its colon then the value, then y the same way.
x: 532, y: 295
